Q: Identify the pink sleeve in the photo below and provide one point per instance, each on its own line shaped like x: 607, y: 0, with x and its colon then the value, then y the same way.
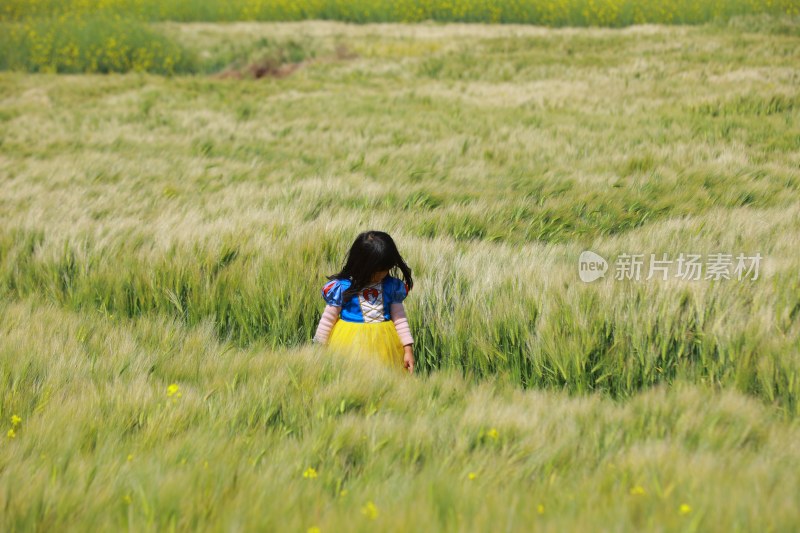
x: 398, y: 313
x: 329, y: 317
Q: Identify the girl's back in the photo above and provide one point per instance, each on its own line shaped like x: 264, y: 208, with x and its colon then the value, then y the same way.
x: 364, y: 315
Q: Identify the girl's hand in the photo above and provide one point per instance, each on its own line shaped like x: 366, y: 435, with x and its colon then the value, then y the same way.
x: 408, y: 358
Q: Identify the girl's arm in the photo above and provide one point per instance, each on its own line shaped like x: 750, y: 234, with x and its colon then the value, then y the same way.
x: 329, y: 317
x: 398, y: 314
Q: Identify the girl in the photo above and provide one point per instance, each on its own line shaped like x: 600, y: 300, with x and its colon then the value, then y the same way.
x: 373, y: 321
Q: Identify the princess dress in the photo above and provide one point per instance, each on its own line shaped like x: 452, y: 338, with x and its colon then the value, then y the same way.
x: 372, y: 323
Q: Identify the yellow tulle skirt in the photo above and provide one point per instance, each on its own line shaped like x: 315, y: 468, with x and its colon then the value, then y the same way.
x: 377, y: 341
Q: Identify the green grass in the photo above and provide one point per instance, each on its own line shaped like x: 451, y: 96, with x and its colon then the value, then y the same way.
x: 101, y: 36
x: 158, y: 230
x: 102, y: 445
x: 615, y: 13
x: 89, y: 43
x: 104, y: 43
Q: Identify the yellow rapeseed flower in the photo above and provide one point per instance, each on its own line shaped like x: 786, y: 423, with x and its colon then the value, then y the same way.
x: 130, y: 457
x: 493, y: 433
x: 343, y: 493
x: 685, y: 508
x: 472, y: 475
x: 15, y: 420
x: 637, y: 490
x: 172, y: 389
x: 12, y: 433
x: 310, y: 472
x: 370, y: 510
x: 313, y: 529
x: 540, y: 509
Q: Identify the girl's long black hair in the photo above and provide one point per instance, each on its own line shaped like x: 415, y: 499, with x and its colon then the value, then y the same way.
x: 371, y: 252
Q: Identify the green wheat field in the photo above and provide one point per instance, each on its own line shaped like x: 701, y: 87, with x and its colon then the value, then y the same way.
x: 174, y: 193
